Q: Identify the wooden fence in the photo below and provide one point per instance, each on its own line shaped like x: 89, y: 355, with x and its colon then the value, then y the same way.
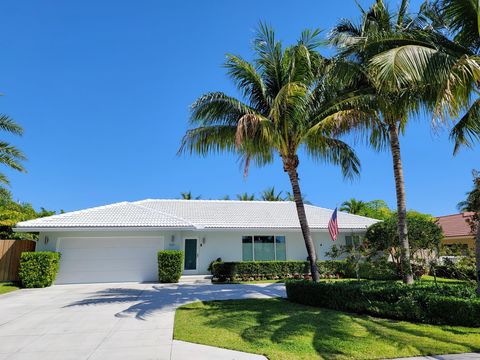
x: 10, y: 251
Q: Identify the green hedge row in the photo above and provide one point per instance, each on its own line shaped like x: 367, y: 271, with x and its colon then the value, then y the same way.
x: 38, y: 269
x: 248, y: 270
x: 170, y: 263
x: 445, y: 304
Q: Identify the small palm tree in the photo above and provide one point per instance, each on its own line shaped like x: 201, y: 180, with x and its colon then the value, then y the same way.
x: 270, y: 195
x: 472, y: 203
x: 9, y: 154
x: 290, y: 197
x: 246, y: 197
x: 188, y: 196
x: 285, y: 99
x: 353, y: 206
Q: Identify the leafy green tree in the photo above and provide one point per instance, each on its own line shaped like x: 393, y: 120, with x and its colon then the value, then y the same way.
x: 353, y: 206
x: 472, y: 203
x: 285, y: 99
x: 188, y: 196
x: 424, y: 234
x: 270, y: 195
x: 246, y: 197
x: 355, y: 43
x: 12, y: 212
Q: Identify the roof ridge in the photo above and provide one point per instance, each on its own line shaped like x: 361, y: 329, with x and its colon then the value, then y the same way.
x: 219, y: 200
x: 165, y: 213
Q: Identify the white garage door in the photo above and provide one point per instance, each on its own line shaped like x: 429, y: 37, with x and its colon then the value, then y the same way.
x: 113, y: 259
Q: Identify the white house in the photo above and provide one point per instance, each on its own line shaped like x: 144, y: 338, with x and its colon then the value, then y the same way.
x: 119, y: 242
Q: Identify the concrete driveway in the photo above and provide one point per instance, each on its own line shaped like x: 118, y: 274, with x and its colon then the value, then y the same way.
x: 110, y: 321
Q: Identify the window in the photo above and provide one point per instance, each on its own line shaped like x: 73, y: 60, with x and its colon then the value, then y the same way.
x: 352, y: 239
x: 263, y: 248
x: 247, y: 248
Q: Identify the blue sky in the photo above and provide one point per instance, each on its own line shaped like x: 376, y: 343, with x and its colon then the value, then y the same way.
x: 103, y: 88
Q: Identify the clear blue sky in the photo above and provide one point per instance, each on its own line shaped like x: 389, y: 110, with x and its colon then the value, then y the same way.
x: 103, y: 88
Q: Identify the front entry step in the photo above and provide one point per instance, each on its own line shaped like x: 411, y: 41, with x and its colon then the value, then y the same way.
x: 196, y: 279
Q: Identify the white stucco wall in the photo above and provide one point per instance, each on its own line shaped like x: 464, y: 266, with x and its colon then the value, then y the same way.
x: 211, y: 244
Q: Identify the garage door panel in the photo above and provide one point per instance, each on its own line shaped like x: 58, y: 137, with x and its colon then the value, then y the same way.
x: 103, y: 259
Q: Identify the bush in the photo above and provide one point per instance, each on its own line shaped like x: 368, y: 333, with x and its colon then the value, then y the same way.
x: 462, y: 270
x: 450, y: 304
x: 38, y: 269
x: 273, y: 270
x: 170, y: 266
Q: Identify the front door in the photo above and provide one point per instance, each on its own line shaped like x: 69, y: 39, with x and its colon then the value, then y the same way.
x: 190, y: 256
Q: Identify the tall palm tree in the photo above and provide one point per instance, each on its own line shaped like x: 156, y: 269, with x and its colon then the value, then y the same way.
x: 9, y: 154
x: 246, y: 197
x: 445, y: 55
x: 285, y: 99
x: 270, y: 195
x: 472, y: 203
x: 188, y: 196
x: 353, y: 206
x: 395, y: 107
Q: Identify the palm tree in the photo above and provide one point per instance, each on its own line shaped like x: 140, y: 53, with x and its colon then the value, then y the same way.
x: 290, y: 197
x: 472, y: 203
x: 246, y: 197
x: 188, y: 196
x: 395, y: 107
x: 270, y: 195
x: 9, y: 154
x: 444, y: 55
x: 353, y: 206
x: 285, y: 99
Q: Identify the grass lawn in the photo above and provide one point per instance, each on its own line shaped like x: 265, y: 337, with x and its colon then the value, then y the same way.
x: 6, y: 287
x: 279, y: 329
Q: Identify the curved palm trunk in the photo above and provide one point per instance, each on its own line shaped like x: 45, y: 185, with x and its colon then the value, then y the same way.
x: 290, y: 168
x: 477, y: 256
x: 406, y: 266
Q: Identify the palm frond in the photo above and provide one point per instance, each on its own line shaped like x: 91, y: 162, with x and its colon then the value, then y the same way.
x: 467, y: 129
x: 9, y: 125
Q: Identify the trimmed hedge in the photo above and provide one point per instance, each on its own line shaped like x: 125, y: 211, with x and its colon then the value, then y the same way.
x: 38, y: 269
x: 170, y: 266
x: 449, y: 304
x: 272, y: 270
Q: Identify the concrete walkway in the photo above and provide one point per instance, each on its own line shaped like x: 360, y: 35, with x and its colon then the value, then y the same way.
x: 111, y: 321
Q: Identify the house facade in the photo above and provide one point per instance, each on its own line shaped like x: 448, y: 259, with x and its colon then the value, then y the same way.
x: 119, y: 242
x: 457, y: 231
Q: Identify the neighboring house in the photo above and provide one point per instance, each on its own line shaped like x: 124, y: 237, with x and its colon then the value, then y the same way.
x: 119, y: 242
x: 457, y: 230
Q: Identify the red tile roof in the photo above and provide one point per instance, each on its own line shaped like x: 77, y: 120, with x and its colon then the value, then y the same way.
x: 456, y: 225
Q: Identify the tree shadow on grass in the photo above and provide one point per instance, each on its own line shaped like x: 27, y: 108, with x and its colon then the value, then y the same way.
x: 332, y: 334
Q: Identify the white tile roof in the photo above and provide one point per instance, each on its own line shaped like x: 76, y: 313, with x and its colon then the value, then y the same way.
x: 195, y: 214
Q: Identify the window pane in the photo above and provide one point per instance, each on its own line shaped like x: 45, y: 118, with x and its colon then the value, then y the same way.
x: 247, y: 248
x: 348, y: 240
x: 281, y: 248
x: 264, y: 248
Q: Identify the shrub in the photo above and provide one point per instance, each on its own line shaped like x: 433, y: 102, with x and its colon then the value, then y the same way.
x: 170, y: 265
x: 451, y: 304
x: 272, y: 270
x: 38, y: 269
x: 464, y: 269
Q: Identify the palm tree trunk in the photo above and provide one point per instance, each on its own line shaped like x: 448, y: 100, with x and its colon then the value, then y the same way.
x: 406, y: 266
x: 290, y: 166
x: 477, y: 255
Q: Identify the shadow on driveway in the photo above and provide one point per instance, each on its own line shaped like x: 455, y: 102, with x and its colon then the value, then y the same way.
x: 166, y: 298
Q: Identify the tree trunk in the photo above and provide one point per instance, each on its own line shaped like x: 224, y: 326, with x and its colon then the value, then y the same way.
x: 477, y: 255
x: 406, y: 266
x: 290, y: 167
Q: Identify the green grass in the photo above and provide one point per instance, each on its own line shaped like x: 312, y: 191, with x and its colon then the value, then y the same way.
x: 282, y: 330
x: 442, y: 280
x: 6, y: 287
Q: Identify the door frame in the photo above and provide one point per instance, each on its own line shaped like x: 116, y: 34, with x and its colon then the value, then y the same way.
x: 192, y: 271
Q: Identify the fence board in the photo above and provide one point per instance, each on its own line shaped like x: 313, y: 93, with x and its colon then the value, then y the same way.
x: 10, y: 251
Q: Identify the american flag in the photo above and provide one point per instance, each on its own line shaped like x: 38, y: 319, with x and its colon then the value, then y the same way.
x: 333, y: 226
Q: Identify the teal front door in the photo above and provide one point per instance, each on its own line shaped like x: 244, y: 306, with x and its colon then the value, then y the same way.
x: 190, y: 254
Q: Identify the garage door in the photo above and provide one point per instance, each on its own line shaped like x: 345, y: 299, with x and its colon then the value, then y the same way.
x: 113, y: 259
